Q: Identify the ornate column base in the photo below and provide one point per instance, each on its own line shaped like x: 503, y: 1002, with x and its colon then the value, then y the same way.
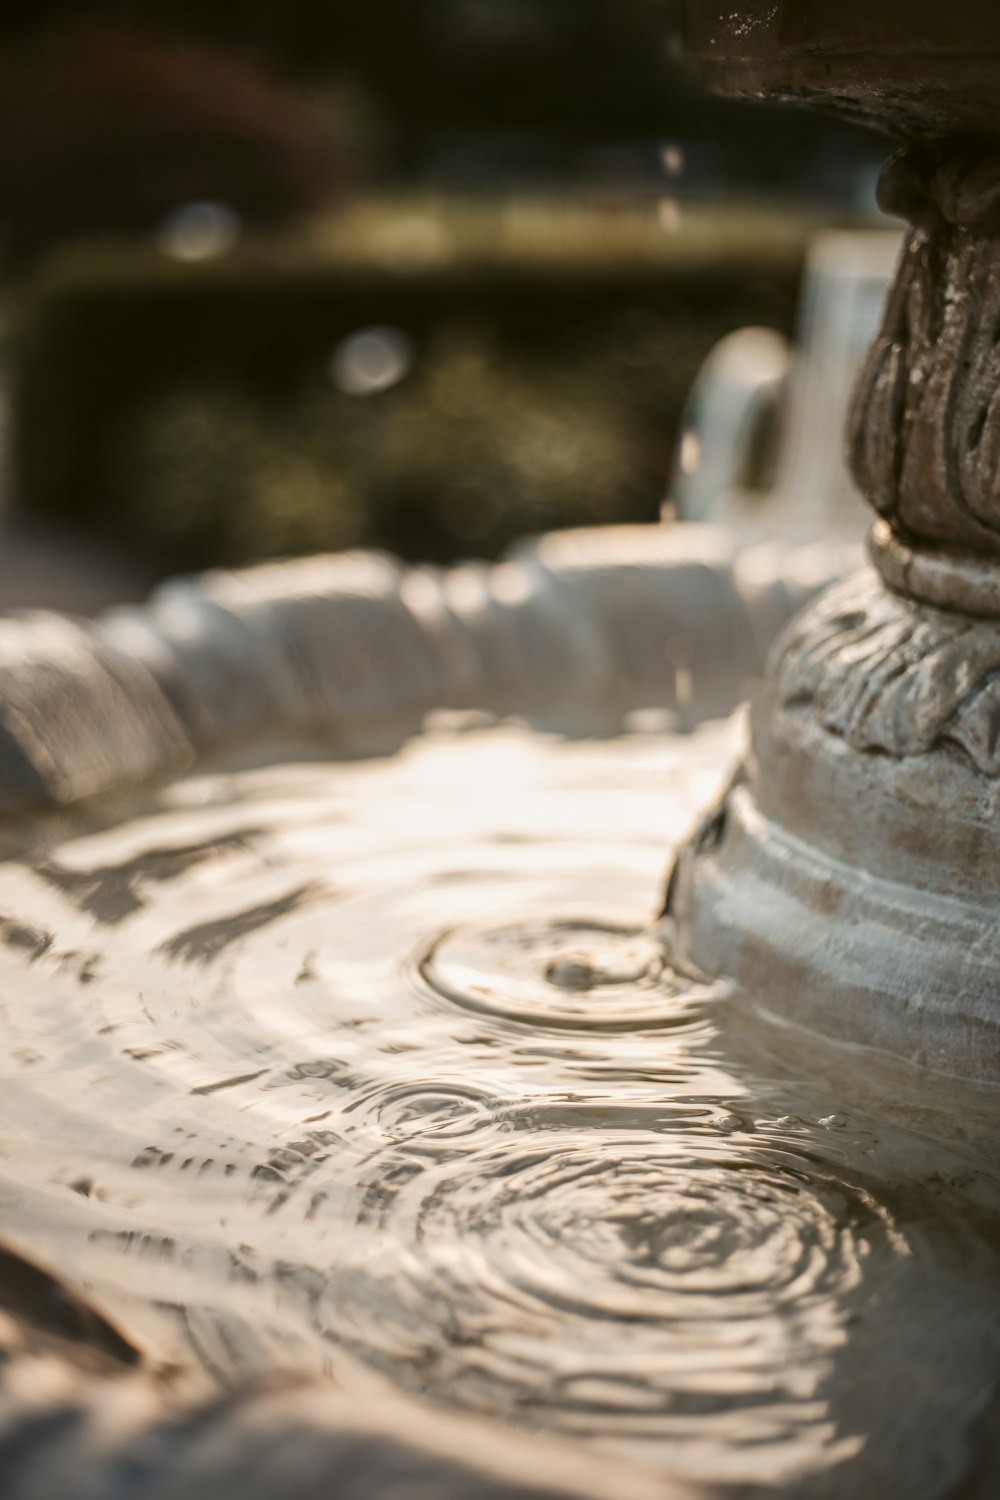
x: 850, y: 879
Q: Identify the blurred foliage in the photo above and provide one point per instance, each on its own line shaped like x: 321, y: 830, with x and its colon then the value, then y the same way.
x: 186, y: 412
x: 463, y: 457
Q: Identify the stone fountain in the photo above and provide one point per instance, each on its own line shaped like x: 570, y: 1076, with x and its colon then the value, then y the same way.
x: 359, y: 1132
x: 852, y: 871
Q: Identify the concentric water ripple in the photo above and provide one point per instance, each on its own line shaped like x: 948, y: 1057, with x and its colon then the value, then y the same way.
x: 331, y: 1068
x: 652, y: 1290
x: 576, y: 974
x: 430, y: 1116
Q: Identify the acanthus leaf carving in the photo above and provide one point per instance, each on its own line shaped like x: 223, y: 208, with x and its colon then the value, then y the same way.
x: 886, y: 678
x: 925, y: 426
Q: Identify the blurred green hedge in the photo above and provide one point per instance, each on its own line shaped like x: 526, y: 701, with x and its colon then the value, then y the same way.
x: 186, y: 411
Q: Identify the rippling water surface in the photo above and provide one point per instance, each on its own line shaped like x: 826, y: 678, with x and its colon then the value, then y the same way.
x: 382, y: 1070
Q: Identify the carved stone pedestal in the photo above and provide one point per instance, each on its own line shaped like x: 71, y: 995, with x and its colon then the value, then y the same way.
x: 851, y: 877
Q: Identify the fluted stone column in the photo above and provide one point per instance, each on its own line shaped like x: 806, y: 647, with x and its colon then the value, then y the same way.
x: 850, y: 879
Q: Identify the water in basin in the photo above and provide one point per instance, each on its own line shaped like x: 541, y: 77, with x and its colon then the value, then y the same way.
x: 381, y: 1070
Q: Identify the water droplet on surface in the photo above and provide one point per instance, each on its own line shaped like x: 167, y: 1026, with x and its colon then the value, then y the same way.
x: 572, y: 973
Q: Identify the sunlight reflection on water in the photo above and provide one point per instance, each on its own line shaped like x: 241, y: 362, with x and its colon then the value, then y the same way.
x: 380, y: 1069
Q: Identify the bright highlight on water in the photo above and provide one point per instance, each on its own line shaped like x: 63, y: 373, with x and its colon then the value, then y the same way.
x: 349, y: 1069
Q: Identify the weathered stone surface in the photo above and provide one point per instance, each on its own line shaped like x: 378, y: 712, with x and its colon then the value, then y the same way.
x: 887, y: 678
x: 849, y: 878
x: 597, y: 622
x: 911, y: 68
x: 825, y: 943
x: 77, y: 715
x: 960, y: 582
x: 925, y: 429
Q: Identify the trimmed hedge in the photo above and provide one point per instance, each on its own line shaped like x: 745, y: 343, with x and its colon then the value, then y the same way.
x: 170, y: 406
